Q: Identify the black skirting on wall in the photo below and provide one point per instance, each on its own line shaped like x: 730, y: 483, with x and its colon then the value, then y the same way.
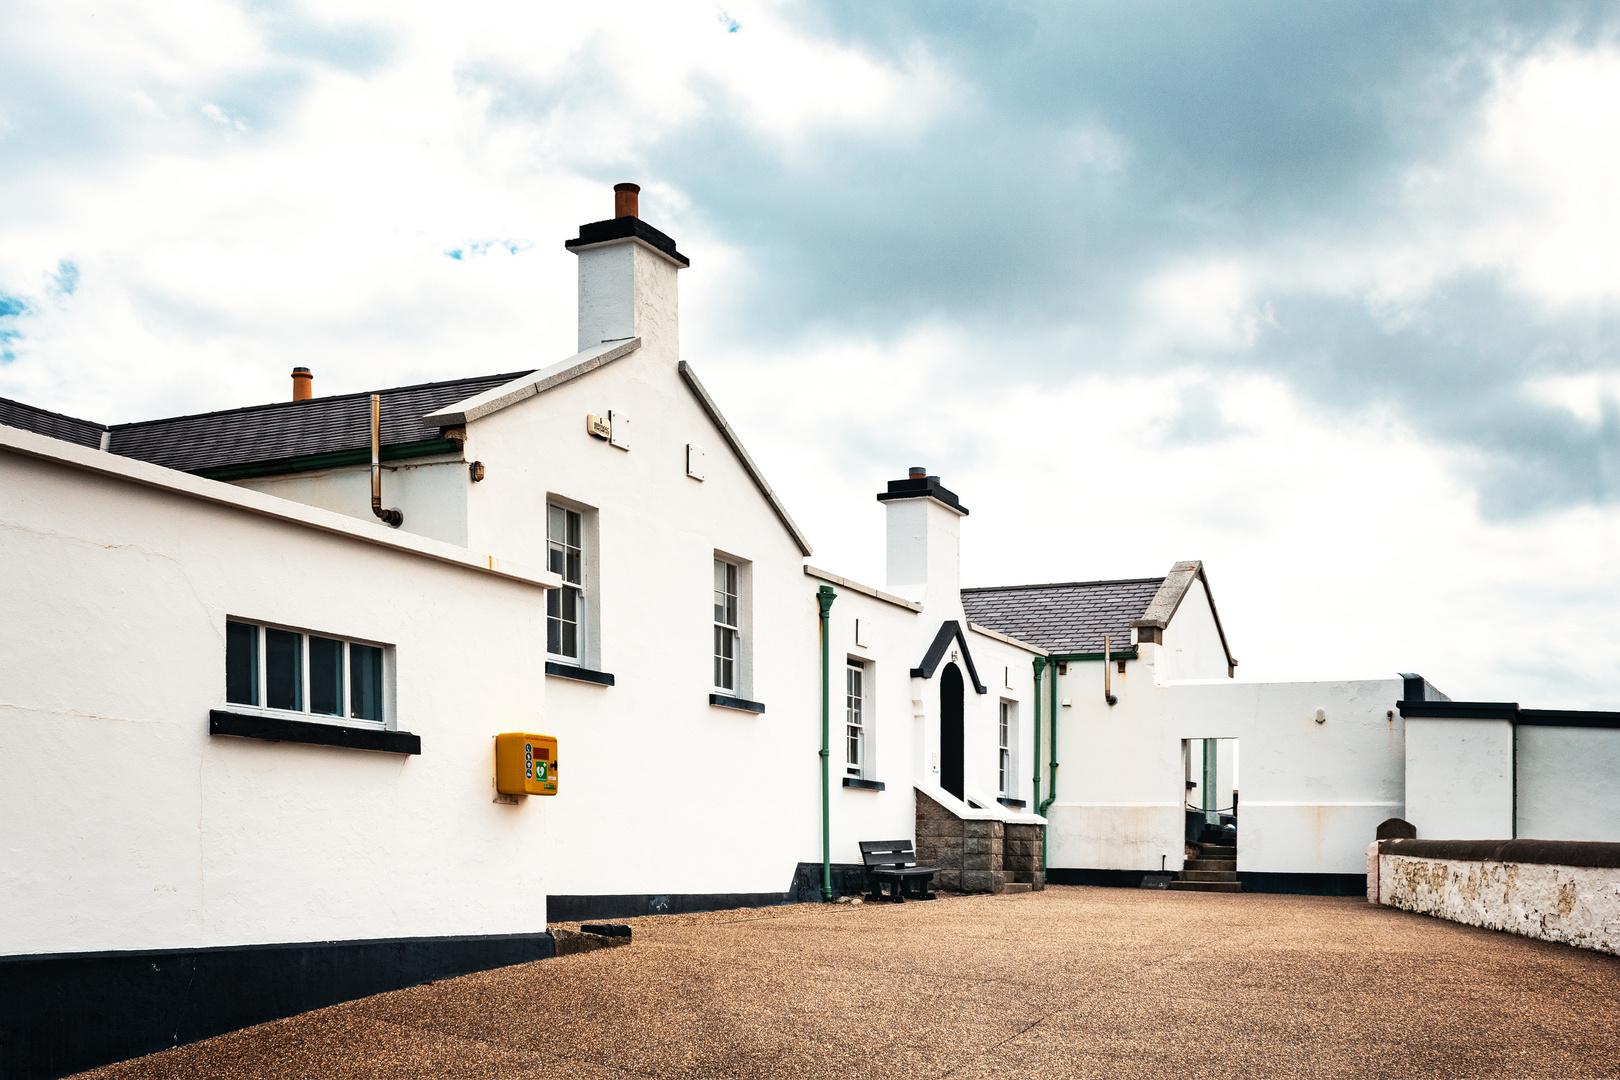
x: 1295, y: 884
x: 848, y: 879
x: 590, y: 907
x: 65, y: 1012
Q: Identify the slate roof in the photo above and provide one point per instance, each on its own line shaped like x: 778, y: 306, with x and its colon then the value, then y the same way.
x: 67, y: 428
x: 288, y: 429
x: 1068, y: 617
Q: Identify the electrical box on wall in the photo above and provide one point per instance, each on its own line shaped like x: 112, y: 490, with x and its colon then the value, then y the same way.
x: 525, y: 764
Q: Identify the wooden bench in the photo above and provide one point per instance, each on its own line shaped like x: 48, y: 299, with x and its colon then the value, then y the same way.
x: 894, y: 863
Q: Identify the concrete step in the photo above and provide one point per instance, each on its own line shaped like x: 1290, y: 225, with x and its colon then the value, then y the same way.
x: 1218, y: 851
x: 1207, y: 886
x: 1208, y: 875
x: 1016, y: 886
x: 1211, y: 864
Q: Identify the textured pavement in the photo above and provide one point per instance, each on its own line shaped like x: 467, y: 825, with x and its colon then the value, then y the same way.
x: 1068, y: 982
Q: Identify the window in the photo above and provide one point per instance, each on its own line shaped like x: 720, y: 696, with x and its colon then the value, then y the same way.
x: 565, y: 607
x: 727, y: 626
x: 1004, y: 754
x: 854, y: 717
x: 273, y: 668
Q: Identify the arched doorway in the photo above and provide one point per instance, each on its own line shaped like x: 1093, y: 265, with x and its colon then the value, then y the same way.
x: 950, y: 730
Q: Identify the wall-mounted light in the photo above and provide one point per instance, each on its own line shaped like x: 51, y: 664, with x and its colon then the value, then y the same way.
x: 475, y: 469
x: 1321, y: 717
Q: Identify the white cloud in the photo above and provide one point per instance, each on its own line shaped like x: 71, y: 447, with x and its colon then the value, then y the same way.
x: 216, y: 253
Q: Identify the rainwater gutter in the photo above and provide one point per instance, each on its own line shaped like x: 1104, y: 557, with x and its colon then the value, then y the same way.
x: 389, y: 516
x: 824, y: 600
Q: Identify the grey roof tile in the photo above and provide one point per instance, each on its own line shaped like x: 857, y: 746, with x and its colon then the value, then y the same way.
x: 289, y: 429
x: 40, y: 422
x: 1066, y: 617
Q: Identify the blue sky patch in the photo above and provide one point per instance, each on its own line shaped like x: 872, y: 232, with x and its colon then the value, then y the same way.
x: 12, y: 308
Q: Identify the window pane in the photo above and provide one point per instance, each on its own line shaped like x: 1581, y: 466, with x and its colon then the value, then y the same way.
x: 719, y: 591
x: 241, y: 663
x: 724, y: 657
x: 325, y: 676
x: 365, y: 682
x: 283, y: 669
x: 573, y: 530
x: 556, y: 527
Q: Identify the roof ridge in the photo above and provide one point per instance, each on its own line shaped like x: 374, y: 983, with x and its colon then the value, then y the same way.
x: 58, y: 415
x: 328, y: 397
x: 1064, y: 584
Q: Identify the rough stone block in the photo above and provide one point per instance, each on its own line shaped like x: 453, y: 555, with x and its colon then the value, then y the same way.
x: 979, y: 861
x: 938, y: 828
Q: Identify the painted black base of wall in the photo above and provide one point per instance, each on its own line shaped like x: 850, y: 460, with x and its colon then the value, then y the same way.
x: 586, y: 908
x: 1291, y: 884
x: 848, y: 879
x: 65, y: 1012
x: 1305, y: 884
x: 1111, y: 879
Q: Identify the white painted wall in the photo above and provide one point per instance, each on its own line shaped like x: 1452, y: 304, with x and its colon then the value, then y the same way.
x: 430, y: 492
x: 1192, y: 642
x: 1312, y: 794
x: 1459, y: 778
x: 127, y: 826
x: 1568, y: 783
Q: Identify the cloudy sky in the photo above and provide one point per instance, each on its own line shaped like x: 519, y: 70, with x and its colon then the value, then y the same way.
x: 1324, y: 295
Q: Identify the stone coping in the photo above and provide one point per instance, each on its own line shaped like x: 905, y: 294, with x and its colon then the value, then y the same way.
x: 1545, y: 852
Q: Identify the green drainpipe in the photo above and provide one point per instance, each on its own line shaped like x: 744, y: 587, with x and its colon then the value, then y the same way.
x: 1040, y: 666
x: 1051, y: 796
x: 824, y: 599
x: 1035, y: 797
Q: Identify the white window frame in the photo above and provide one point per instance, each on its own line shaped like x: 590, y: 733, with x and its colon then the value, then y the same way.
x: 727, y: 612
x: 582, y: 622
x: 262, y: 674
x: 856, y: 714
x: 1007, y: 745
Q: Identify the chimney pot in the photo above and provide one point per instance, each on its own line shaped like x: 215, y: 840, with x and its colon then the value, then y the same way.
x: 626, y: 200
x: 303, y: 384
x: 917, y: 472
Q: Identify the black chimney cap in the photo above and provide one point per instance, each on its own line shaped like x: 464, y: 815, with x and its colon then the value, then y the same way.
x: 922, y: 487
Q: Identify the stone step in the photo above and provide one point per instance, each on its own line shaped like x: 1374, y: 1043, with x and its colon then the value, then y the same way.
x: 1016, y: 886
x: 1218, y: 851
x: 1208, y: 875
x: 1207, y: 886
x: 1211, y: 864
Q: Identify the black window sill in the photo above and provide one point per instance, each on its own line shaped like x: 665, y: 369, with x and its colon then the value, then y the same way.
x: 863, y: 785
x: 742, y: 704
x: 277, y: 729
x: 1016, y: 804
x: 578, y: 674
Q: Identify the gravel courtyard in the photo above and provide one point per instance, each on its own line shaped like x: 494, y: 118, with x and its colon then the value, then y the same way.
x: 1068, y: 982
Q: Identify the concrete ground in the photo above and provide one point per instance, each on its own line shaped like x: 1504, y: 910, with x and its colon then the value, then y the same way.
x: 1065, y: 983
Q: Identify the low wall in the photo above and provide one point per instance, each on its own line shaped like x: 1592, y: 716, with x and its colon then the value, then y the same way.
x: 1564, y: 891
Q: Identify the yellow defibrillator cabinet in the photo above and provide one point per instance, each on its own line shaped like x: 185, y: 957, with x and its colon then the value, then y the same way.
x: 525, y: 764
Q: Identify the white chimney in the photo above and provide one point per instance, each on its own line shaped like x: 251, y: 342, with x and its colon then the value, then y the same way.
x: 627, y: 284
x: 924, y: 542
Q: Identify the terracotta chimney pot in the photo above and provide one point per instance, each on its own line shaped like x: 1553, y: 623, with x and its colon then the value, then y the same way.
x: 303, y: 384
x: 626, y: 199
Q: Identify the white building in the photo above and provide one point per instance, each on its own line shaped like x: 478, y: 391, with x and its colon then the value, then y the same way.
x: 251, y: 683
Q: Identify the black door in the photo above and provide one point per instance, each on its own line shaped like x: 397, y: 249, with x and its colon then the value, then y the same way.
x: 950, y: 730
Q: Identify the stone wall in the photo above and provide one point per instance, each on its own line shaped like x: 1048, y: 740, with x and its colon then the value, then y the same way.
x: 1567, y: 891
x: 1021, y: 856
x: 977, y: 855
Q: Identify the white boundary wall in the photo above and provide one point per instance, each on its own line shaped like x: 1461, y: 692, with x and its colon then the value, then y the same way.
x: 1575, y: 905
